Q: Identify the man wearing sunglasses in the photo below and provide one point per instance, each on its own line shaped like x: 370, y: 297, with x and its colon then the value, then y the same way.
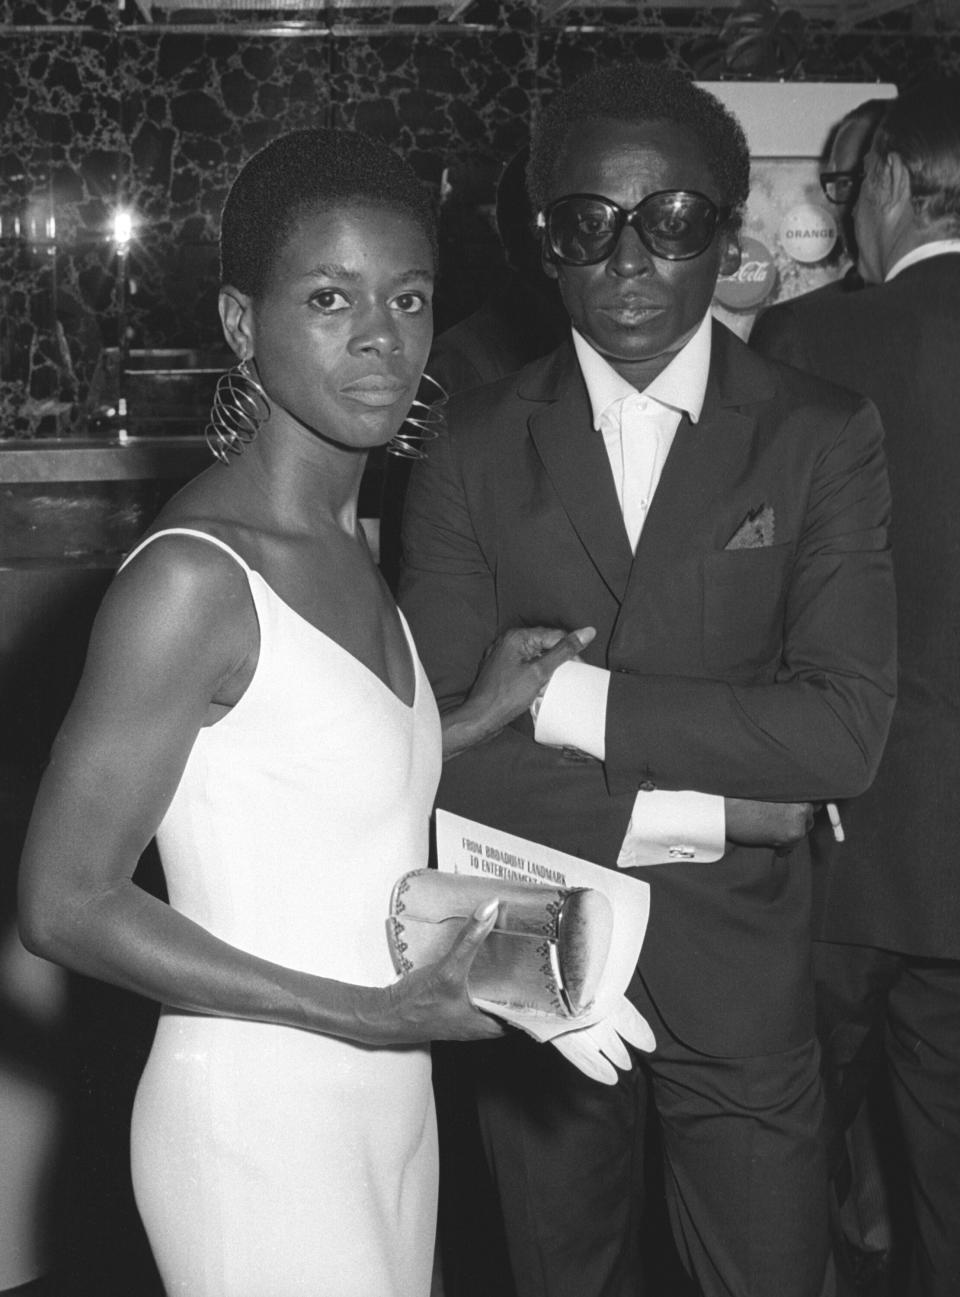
x: 720, y: 521
x: 888, y: 967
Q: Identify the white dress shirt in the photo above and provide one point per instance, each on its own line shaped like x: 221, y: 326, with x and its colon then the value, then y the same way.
x: 638, y: 429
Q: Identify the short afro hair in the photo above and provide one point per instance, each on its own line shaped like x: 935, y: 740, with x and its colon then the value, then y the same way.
x: 922, y: 126
x: 642, y: 92
x: 308, y: 170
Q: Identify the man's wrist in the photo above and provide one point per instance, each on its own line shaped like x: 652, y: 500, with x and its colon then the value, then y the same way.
x: 573, y: 709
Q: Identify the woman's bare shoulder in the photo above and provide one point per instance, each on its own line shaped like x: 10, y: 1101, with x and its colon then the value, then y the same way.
x: 182, y: 561
x: 180, y: 597
x: 183, y: 549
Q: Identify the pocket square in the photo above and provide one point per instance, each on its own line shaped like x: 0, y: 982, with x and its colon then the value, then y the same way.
x: 755, y: 531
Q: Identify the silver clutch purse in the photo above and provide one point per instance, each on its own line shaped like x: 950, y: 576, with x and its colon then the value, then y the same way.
x: 546, y: 952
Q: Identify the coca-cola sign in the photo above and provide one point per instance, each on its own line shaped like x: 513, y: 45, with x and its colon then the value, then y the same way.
x: 752, y: 282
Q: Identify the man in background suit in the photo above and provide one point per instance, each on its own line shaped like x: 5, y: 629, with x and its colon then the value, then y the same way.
x: 861, y: 1213
x: 888, y: 968
x: 720, y: 521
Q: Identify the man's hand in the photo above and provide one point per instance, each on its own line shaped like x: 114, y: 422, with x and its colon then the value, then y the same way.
x: 514, y: 669
x: 767, y: 824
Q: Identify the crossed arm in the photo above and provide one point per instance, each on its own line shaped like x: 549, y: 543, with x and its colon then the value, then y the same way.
x: 813, y: 731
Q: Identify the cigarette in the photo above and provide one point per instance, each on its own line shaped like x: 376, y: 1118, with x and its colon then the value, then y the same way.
x: 835, y: 823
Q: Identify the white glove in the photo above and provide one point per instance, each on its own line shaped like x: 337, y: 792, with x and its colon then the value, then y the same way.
x: 597, y: 1051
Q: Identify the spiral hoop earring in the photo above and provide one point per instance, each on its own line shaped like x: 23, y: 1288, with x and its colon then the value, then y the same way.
x: 240, y: 409
x: 425, y: 422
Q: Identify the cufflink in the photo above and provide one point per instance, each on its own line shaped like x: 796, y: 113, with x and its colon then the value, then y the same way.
x: 681, y: 853
x: 648, y: 786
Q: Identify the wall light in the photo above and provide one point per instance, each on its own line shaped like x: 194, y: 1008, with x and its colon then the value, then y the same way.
x: 122, y: 229
x: 40, y: 224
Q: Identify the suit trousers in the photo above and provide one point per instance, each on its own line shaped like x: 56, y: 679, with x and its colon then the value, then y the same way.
x: 745, y: 1167
x: 877, y: 1006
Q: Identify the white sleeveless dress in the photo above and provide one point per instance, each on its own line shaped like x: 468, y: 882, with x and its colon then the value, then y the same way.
x: 268, y: 1161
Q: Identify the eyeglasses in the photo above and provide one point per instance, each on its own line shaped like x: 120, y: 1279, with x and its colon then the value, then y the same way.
x: 841, y: 187
x: 676, y: 224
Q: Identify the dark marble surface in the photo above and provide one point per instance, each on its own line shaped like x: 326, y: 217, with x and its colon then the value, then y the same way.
x: 154, y: 110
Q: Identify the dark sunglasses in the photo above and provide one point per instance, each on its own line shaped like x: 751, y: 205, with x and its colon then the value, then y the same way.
x: 676, y: 224
x: 841, y: 187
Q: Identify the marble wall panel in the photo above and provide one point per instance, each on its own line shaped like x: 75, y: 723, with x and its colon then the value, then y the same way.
x: 102, y: 110
x: 62, y: 156
x: 193, y: 107
x: 94, y: 14
x: 458, y: 107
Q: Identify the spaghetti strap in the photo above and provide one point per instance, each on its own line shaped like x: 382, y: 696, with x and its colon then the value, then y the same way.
x: 185, y: 531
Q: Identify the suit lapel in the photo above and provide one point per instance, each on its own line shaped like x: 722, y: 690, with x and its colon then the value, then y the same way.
x: 575, y: 460
x: 705, y: 460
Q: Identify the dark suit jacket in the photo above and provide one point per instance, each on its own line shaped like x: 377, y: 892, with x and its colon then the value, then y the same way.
x: 896, y: 881
x: 515, y: 324
x: 763, y: 672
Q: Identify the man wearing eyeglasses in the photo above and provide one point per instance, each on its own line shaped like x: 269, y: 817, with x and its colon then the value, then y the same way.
x: 720, y: 521
x: 841, y: 178
x: 888, y: 967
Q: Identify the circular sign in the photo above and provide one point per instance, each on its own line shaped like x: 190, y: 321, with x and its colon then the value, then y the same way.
x: 750, y: 284
x: 808, y: 232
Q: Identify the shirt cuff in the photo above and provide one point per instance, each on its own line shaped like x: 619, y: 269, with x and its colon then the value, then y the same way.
x: 667, y: 826
x: 573, y: 709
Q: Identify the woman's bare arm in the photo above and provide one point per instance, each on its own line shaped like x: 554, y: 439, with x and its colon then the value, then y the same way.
x: 175, y: 637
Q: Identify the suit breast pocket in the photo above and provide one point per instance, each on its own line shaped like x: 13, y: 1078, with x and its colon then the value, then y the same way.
x: 744, y: 591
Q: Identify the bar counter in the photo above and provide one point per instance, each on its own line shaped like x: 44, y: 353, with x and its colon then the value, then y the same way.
x: 77, y: 459
x: 69, y: 510
x: 87, y: 500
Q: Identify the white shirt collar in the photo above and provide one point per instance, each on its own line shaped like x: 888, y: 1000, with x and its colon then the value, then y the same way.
x: 925, y: 250
x: 681, y: 385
